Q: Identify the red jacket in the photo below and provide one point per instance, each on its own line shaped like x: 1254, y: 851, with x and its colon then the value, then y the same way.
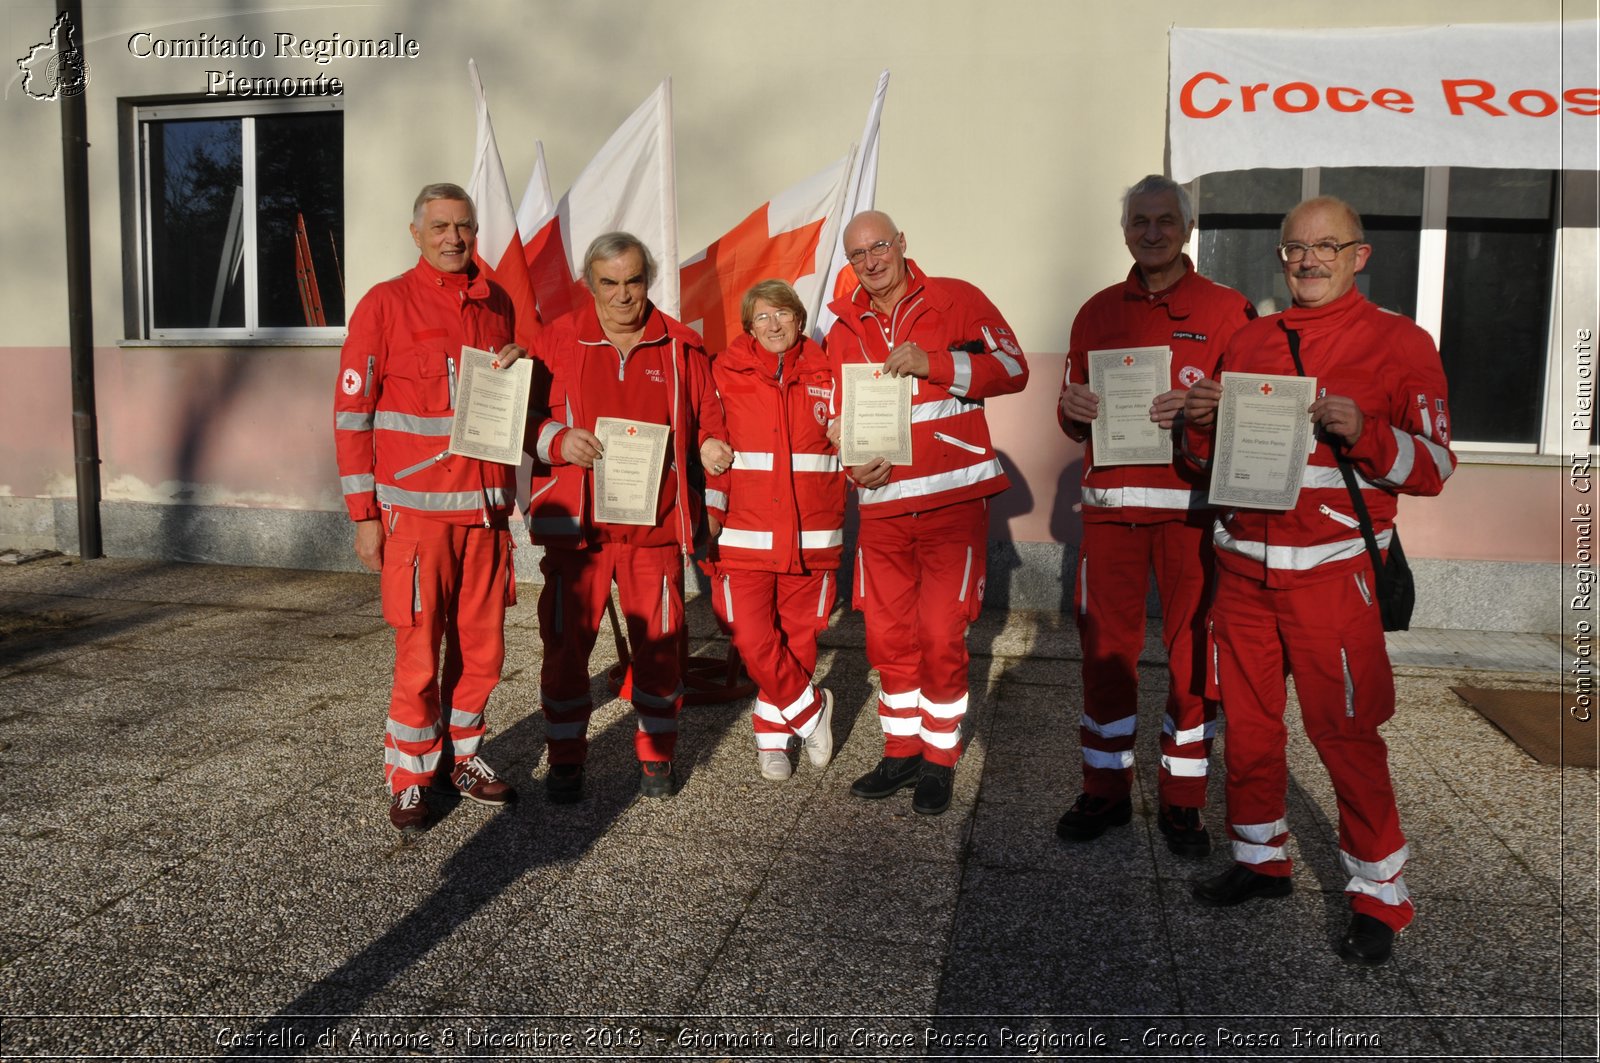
x: 1391, y: 369
x: 561, y: 494
x: 395, y: 398
x: 782, y: 503
x: 972, y: 354
x: 1195, y: 318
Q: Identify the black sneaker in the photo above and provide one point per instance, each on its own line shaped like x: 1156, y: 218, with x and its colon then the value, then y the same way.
x: 1089, y: 817
x: 564, y: 784
x: 932, y: 795
x: 656, y: 778
x: 1368, y: 941
x: 1237, y: 885
x: 1186, y: 835
x: 892, y: 775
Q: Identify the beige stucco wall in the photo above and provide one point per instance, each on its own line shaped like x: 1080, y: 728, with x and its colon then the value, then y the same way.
x: 1010, y: 130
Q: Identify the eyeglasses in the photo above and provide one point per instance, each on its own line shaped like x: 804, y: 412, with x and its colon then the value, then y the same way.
x: 1325, y: 250
x: 877, y: 250
x: 782, y: 317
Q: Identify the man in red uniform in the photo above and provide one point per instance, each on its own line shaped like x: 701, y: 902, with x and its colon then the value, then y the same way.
x: 433, y: 523
x: 1139, y: 516
x: 1295, y: 589
x: 619, y: 357
x: 922, y: 548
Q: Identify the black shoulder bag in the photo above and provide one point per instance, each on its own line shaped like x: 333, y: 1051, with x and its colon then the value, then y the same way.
x: 1396, y: 588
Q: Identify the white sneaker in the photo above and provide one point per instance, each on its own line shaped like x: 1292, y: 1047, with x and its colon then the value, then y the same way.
x: 819, y: 743
x: 774, y: 764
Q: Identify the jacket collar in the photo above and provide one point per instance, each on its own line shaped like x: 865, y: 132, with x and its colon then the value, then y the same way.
x: 471, y: 284
x: 745, y: 355
x: 1324, y: 317
x: 1176, y: 297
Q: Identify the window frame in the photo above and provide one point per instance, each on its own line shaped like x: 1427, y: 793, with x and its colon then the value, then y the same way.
x: 1431, y: 257
x: 139, y: 313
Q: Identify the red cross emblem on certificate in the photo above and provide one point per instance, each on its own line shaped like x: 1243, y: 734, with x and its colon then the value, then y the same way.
x: 876, y: 373
x: 1266, y: 389
x: 632, y: 431
x: 1127, y: 359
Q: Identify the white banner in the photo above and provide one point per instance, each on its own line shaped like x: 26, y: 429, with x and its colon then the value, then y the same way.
x: 1517, y: 96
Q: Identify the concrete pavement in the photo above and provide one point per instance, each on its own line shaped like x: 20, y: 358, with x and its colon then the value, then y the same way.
x: 197, y: 862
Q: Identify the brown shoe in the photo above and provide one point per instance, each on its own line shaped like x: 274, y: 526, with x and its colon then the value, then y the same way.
x: 408, y: 811
x: 476, y: 781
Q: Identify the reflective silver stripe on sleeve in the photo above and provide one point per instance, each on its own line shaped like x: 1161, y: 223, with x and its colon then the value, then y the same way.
x: 746, y: 539
x: 359, y: 484
x: 815, y: 463
x: 716, y: 499
x: 942, y: 408
x: 1013, y: 367
x: 349, y: 421
x: 752, y: 460
x: 547, y: 436
x: 1441, y: 458
x: 961, y: 367
x: 1405, y: 456
x: 390, y: 421
x: 821, y: 540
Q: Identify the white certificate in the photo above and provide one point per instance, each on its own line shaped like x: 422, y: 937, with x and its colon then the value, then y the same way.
x: 1263, y: 437
x: 874, y: 415
x: 627, y: 478
x: 1128, y: 381
x: 491, y: 413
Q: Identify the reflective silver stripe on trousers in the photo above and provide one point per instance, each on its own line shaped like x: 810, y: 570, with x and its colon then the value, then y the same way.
x: 404, y: 733
x: 1099, y: 758
x: 1184, y: 767
x: 1121, y: 727
x: 422, y: 765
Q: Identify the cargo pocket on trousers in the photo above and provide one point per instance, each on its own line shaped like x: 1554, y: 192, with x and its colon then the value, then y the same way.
x: 401, y: 584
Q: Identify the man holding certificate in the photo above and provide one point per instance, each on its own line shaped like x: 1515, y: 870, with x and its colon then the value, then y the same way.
x: 1136, y: 349
x: 1295, y: 586
x: 434, y: 523
x: 923, y: 498
x: 623, y: 399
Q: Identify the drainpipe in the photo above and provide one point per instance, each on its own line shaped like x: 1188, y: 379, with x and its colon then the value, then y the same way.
x: 80, y: 307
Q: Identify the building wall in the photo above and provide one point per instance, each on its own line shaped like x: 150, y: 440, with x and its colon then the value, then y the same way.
x: 1009, y: 133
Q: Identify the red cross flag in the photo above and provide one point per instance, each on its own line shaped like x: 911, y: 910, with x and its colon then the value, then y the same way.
x: 630, y: 184
x: 499, y: 251
x: 860, y: 191
x: 790, y: 237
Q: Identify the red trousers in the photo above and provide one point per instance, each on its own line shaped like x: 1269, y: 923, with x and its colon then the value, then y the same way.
x: 775, y: 619
x: 1113, y: 572
x: 572, y: 608
x: 919, y: 582
x: 1330, y: 637
x: 450, y: 582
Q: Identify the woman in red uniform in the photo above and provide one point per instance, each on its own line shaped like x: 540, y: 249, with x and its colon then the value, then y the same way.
x: 778, y: 518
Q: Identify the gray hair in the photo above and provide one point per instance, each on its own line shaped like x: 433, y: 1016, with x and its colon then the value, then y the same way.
x: 777, y: 292
x: 441, y: 190
x: 1157, y: 184
x: 610, y: 245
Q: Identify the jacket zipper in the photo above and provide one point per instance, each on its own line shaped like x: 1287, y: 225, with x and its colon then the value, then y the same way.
x: 1333, y: 514
x: 963, y: 444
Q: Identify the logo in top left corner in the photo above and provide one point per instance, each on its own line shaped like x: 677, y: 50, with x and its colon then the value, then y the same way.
x: 56, y: 67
